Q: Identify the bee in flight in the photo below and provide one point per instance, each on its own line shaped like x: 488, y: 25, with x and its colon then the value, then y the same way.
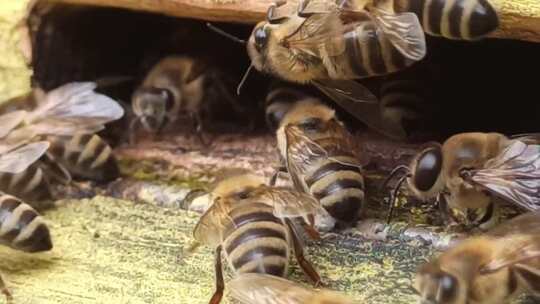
x: 319, y: 155
x: 31, y: 142
x: 492, y: 268
x: 255, y: 288
x: 471, y: 169
x: 252, y: 224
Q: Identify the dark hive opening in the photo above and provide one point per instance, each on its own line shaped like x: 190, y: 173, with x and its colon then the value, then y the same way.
x: 464, y: 86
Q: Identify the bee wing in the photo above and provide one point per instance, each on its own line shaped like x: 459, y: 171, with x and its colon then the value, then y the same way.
x: 18, y: 159
x: 252, y: 288
x: 362, y: 104
x: 518, y: 251
x: 513, y: 175
x: 528, y: 138
x: 209, y: 229
x: 75, y: 101
x: 404, y: 31
x: 55, y: 126
x: 10, y: 121
x: 289, y: 203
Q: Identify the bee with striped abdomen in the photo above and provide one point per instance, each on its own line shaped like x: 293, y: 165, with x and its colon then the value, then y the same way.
x: 21, y: 228
x: 255, y: 288
x: 319, y: 155
x: 453, y: 19
x: 253, y: 225
x: 470, y: 169
x: 26, y: 168
x: 492, y: 268
x: 329, y: 44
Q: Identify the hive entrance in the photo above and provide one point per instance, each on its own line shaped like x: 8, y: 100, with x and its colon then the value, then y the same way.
x: 482, y: 86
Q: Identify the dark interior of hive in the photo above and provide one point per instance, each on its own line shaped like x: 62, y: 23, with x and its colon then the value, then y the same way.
x: 478, y: 86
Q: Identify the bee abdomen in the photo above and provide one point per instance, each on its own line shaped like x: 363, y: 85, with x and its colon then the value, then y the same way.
x: 30, y: 185
x: 371, y: 53
x: 258, y: 243
x: 21, y: 227
x: 454, y: 19
x: 278, y: 103
x: 86, y: 156
x: 340, y: 189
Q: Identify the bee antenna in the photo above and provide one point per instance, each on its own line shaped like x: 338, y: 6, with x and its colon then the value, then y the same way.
x: 392, y: 174
x: 393, y: 197
x: 241, y: 84
x: 223, y: 33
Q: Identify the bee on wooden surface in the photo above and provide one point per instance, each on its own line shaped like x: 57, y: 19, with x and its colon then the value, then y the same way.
x: 470, y: 169
x: 329, y: 44
x: 492, y: 268
x: 254, y: 288
x: 21, y: 228
x: 253, y: 225
x: 458, y: 19
x: 319, y: 155
x: 179, y: 86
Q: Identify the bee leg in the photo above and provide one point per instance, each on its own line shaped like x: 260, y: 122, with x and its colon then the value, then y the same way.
x: 133, y: 126
x: 5, y: 291
x: 220, y: 285
x: 306, y: 266
x: 446, y: 214
x: 274, y: 177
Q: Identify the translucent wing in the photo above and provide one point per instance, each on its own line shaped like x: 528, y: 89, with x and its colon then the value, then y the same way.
x: 514, y: 175
x: 76, y: 101
x: 404, y: 31
x: 518, y: 250
x: 209, y: 229
x: 287, y: 202
x: 54, y: 126
x: 18, y: 159
x: 357, y: 100
x: 253, y: 288
x: 10, y: 121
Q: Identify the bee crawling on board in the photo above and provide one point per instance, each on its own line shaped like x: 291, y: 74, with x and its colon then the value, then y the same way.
x: 254, y: 226
x: 320, y: 156
x: 470, y: 170
x: 492, y: 268
x: 255, y: 288
x: 21, y: 228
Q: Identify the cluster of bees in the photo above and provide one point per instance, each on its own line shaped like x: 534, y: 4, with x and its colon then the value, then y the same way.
x: 255, y: 224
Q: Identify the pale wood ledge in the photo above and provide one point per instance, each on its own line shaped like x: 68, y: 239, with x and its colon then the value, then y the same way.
x: 520, y: 19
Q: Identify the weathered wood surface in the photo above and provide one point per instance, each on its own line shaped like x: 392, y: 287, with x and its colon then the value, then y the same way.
x: 520, y: 19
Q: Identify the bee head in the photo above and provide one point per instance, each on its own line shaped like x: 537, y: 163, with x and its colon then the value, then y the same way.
x: 152, y: 106
x: 426, y: 171
x: 258, y: 43
x: 436, y: 286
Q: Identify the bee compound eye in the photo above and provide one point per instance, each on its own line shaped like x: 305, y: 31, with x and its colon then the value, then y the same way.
x: 428, y: 168
x: 261, y: 38
x: 448, y: 285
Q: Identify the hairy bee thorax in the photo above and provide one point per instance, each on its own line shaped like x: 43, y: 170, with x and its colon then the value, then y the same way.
x: 237, y: 185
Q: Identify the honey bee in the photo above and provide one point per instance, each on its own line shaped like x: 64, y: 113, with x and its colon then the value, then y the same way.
x: 178, y: 86
x: 465, y: 19
x: 253, y: 224
x: 26, y: 166
x: 278, y: 102
x: 255, y: 288
x: 470, y: 169
x: 22, y: 228
x: 492, y: 268
x: 319, y: 155
x: 329, y: 44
